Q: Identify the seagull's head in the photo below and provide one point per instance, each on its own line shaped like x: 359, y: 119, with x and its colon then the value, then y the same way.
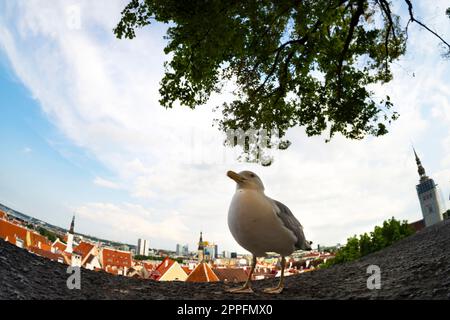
x: 246, y: 180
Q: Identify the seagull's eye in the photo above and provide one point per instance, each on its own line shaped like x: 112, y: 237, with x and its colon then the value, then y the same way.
x: 252, y: 175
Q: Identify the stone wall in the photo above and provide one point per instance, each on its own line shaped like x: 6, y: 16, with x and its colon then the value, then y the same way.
x: 417, y: 267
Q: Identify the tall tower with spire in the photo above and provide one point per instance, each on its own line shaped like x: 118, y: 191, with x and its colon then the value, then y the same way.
x: 70, y: 234
x: 201, y: 249
x: 429, y: 196
x: 72, y: 225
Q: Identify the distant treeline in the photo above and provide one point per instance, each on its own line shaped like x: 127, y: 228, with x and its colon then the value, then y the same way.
x: 156, y: 258
x: 381, y: 237
x: 48, y: 234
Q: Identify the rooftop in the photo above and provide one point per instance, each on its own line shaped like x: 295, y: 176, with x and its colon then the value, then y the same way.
x: 112, y: 257
x: 202, y: 273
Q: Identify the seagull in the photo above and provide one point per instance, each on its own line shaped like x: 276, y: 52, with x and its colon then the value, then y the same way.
x: 260, y: 224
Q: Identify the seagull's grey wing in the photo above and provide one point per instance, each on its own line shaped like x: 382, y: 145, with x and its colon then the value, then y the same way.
x: 291, y: 223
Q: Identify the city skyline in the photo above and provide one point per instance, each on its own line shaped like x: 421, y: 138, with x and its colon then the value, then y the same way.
x: 83, y: 133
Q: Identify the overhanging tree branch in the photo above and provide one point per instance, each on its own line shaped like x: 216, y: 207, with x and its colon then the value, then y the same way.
x: 296, y: 62
x: 413, y: 19
x: 353, y: 23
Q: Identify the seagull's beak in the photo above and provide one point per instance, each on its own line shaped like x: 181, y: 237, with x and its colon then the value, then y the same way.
x: 236, y: 177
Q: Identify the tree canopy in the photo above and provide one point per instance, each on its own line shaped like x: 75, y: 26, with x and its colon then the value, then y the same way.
x: 307, y: 63
x: 48, y: 234
x: 381, y: 237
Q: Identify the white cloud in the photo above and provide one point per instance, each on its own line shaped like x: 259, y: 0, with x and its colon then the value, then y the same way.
x: 106, y: 183
x: 102, y: 94
x: 137, y: 220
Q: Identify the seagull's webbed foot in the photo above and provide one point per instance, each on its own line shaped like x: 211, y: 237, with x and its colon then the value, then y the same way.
x: 244, y: 289
x: 247, y: 286
x: 276, y: 290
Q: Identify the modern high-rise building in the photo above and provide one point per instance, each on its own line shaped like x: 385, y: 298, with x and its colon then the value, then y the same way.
x: 430, y: 197
x: 143, y: 247
x: 182, y: 250
x: 185, y: 250
x: 210, y: 252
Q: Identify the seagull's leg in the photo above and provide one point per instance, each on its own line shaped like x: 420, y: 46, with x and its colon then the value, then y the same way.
x: 280, y: 286
x: 246, y: 288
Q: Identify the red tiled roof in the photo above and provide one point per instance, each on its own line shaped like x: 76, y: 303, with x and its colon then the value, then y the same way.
x: 202, y: 273
x: 186, y: 269
x: 112, y: 270
x: 311, y: 255
x: 46, y: 254
x: 231, y: 274
x: 59, y: 245
x: 264, y: 275
x: 163, y: 267
x: 2, y: 214
x: 11, y: 231
x: 37, y: 238
x: 84, y: 249
x: 46, y: 247
x: 148, y: 266
x: 111, y: 257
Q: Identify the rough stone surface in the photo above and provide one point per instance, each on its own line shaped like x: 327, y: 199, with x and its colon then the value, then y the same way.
x: 417, y: 267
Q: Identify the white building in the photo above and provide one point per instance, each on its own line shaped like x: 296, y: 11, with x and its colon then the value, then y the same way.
x: 143, y: 247
x: 76, y: 259
x: 429, y: 196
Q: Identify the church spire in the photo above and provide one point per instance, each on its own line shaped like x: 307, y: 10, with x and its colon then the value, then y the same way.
x: 200, y: 243
x: 420, y: 168
x: 72, y: 225
x: 201, y: 252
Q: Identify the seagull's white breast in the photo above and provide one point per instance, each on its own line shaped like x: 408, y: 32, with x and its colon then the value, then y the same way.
x: 255, y: 225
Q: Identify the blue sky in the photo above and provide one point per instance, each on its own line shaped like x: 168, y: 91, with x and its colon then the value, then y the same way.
x: 82, y: 132
x: 38, y: 164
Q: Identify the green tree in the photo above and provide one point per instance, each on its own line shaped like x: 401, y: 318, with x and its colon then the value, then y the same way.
x: 394, y: 230
x: 365, y: 245
x: 378, y: 241
x: 295, y: 63
x: 349, y: 252
x: 156, y: 258
x: 381, y: 237
x: 48, y: 234
x: 391, y: 231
